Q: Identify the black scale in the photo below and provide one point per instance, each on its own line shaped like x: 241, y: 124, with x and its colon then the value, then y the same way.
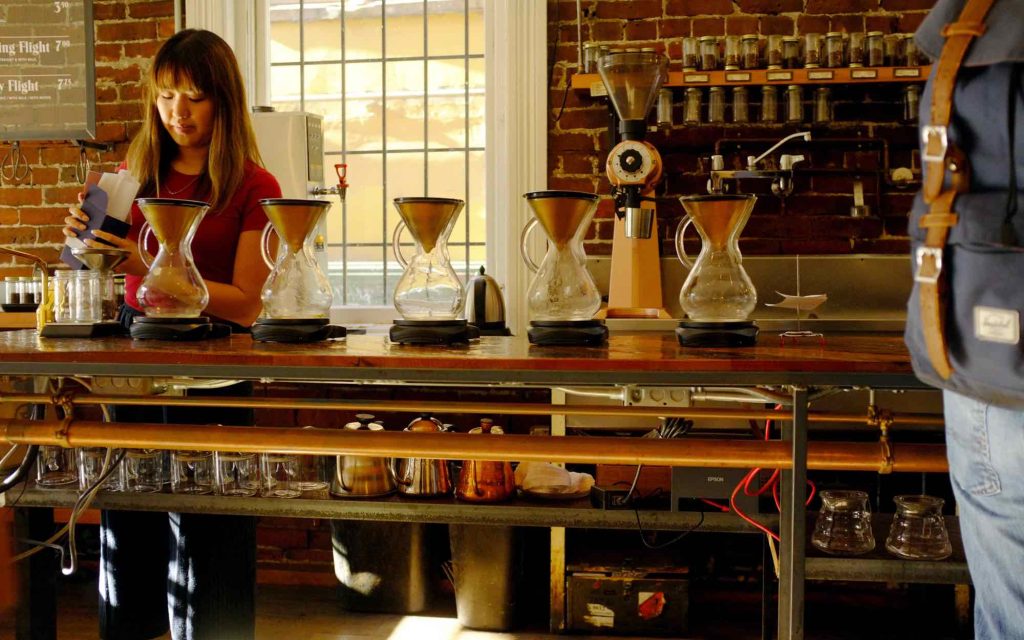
x: 588, y: 333
x: 717, y: 334
x: 296, y: 330
x: 177, y: 329
x: 436, y: 332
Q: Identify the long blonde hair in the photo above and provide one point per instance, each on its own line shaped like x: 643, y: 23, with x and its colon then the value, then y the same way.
x: 196, y: 59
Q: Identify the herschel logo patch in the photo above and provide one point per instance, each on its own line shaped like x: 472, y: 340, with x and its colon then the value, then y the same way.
x: 997, y: 325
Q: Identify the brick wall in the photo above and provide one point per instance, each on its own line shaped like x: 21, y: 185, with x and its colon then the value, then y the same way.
x: 127, y: 34
x: 867, y: 132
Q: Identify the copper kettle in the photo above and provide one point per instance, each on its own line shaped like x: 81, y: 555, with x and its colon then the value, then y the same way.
x: 363, y: 476
x: 424, y: 477
x: 485, y: 480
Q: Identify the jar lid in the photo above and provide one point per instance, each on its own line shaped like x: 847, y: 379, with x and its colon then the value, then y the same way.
x: 750, y: 36
x: 834, y: 34
x: 487, y: 426
x: 707, y: 38
x: 874, y: 33
x: 790, y: 39
x: 425, y: 423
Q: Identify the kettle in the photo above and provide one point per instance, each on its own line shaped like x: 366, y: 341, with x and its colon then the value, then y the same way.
x: 485, y: 306
x: 424, y: 477
x: 485, y: 480
x: 363, y: 476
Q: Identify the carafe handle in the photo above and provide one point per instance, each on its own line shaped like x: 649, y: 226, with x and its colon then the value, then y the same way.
x: 144, y: 232
x: 523, y: 238
x: 396, y: 247
x: 265, y: 245
x: 684, y: 222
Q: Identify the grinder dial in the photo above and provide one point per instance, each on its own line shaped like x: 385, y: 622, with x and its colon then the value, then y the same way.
x: 630, y: 162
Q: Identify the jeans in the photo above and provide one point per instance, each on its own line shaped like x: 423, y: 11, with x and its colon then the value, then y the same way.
x: 195, y: 572
x: 986, y: 463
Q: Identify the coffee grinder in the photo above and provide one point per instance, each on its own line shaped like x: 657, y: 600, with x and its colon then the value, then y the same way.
x: 297, y: 296
x: 632, y: 80
x: 717, y: 296
x: 563, y: 297
x: 429, y: 295
x: 172, y: 294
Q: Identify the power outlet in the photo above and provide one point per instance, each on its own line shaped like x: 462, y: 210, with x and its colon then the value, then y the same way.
x: 602, y: 498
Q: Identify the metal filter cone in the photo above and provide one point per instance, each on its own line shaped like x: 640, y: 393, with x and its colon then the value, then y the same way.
x: 293, y: 219
x: 100, y: 259
x: 171, y: 219
x: 718, y: 217
x: 428, y: 219
x: 561, y: 213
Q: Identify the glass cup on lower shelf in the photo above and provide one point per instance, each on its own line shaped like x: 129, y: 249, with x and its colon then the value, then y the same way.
x: 918, y: 531
x: 843, y: 526
x: 191, y: 472
x: 90, y: 468
x: 280, y: 475
x: 237, y: 474
x: 144, y: 470
x: 56, y: 467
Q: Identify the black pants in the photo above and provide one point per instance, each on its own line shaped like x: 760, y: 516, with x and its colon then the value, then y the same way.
x: 195, y: 572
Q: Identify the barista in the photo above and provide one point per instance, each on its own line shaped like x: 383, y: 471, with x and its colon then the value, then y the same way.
x: 196, y: 143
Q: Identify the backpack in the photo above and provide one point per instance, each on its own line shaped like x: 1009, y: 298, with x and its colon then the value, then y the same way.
x: 967, y: 241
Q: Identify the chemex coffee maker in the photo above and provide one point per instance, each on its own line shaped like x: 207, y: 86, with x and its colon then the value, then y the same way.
x: 632, y: 80
x: 717, y: 296
x: 296, y: 296
x: 563, y: 297
x: 429, y: 295
x: 172, y: 293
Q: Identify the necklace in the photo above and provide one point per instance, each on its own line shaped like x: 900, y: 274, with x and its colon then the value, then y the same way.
x: 189, y: 184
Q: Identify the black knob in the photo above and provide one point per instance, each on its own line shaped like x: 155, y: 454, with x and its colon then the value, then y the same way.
x: 631, y: 160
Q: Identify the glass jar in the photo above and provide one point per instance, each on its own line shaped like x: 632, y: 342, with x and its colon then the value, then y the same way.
x: 856, y: 52
x: 769, y: 104
x: 716, y: 104
x: 911, y: 102
x: 664, y: 110
x: 708, y: 53
x: 63, y: 294
x: 843, y: 526
x: 822, y: 105
x: 191, y: 472
x: 918, y: 531
x: 55, y: 466
x: 833, y: 49
x: 35, y: 289
x: 87, y: 299
x: 691, y: 109
x: 773, y: 51
x: 732, y: 53
x: 590, y: 53
x: 790, y: 52
x: 794, y: 103
x: 892, y: 47
x: 119, y: 290
x: 740, y: 105
x: 11, y: 294
x: 751, y: 56
x: 90, y: 468
x: 911, y: 58
x: 812, y: 50
x: 691, y: 58
x: 875, y: 49
x: 23, y: 290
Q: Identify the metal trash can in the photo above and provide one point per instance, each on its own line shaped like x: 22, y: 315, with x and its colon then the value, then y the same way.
x: 382, y: 566
x: 484, y: 570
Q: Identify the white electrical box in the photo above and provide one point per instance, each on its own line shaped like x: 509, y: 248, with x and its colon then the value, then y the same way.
x: 292, y: 146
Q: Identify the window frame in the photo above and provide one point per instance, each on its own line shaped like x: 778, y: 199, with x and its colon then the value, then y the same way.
x: 515, y: 54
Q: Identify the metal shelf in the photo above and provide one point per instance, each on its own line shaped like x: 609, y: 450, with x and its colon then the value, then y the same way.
x: 591, y: 82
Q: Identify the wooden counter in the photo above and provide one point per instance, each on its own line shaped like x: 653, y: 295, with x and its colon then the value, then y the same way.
x: 642, y: 358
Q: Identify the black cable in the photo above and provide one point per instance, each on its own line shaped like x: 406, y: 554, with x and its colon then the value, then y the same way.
x: 21, y: 472
x: 554, y: 53
x: 643, y: 536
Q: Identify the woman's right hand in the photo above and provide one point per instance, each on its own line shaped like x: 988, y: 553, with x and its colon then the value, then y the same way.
x: 75, y: 221
x: 74, y: 224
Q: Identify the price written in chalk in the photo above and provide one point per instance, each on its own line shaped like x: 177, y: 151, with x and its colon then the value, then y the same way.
x: 65, y: 83
x: 61, y: 6
x: 63, y: 44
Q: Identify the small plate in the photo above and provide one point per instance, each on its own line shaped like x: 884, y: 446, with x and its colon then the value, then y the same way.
x: 554, y: 494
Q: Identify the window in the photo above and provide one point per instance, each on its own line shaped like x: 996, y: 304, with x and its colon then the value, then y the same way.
x: 401, y: 87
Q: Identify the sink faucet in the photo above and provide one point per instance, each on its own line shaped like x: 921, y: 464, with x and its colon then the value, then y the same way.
x: 752, y: 161
x: 782, y: 183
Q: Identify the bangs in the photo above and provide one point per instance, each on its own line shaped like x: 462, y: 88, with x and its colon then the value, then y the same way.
x: 182, y: 73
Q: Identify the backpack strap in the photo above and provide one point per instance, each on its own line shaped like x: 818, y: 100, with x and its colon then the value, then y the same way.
x: 941, y: 157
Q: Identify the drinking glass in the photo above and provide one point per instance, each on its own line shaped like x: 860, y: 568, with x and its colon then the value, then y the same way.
x: 236, y: 474
x: 843, y: 526
x: 918, y: 531
x: 144, y: 470
x: 90, y: 467
x: 191, y: 472
x: 55, y: 467
x: 87, y: 301
x: 280, y: 475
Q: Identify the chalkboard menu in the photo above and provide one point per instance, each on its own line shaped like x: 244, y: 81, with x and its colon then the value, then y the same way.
x: 47, y: 70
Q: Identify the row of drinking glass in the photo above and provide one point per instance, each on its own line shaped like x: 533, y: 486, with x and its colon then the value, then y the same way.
x: 918, y: 531
x: 273, y: 475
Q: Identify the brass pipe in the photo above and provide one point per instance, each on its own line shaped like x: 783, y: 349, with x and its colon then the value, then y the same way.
x: 434, y: 406
x: 688, y: 452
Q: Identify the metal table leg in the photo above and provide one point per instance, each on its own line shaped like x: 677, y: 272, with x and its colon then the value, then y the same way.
x: 793, y: 524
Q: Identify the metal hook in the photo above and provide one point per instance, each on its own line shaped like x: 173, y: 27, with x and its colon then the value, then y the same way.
x: 82, y: 166
x: 13, y: 167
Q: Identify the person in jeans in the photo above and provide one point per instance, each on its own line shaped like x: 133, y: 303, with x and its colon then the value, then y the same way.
x: 193, y: 573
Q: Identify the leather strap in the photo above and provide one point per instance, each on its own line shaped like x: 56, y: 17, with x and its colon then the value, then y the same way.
x: 940, y: 157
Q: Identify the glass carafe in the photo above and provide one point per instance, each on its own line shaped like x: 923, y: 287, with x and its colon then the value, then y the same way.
x: 173, y: 287
x: 296, y: 287
x: 429, y: 289
x: 918, y: 531
x: 843, y: 526
x: 562, y: 288
x: 717, y: 288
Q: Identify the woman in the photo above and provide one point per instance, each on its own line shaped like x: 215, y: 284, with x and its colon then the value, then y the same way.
x: 196, y: 143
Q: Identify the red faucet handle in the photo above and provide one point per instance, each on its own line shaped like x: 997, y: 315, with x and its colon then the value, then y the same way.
x: 342, y: 170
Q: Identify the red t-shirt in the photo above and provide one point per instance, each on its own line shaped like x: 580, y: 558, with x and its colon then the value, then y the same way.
x: 214, y: 244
